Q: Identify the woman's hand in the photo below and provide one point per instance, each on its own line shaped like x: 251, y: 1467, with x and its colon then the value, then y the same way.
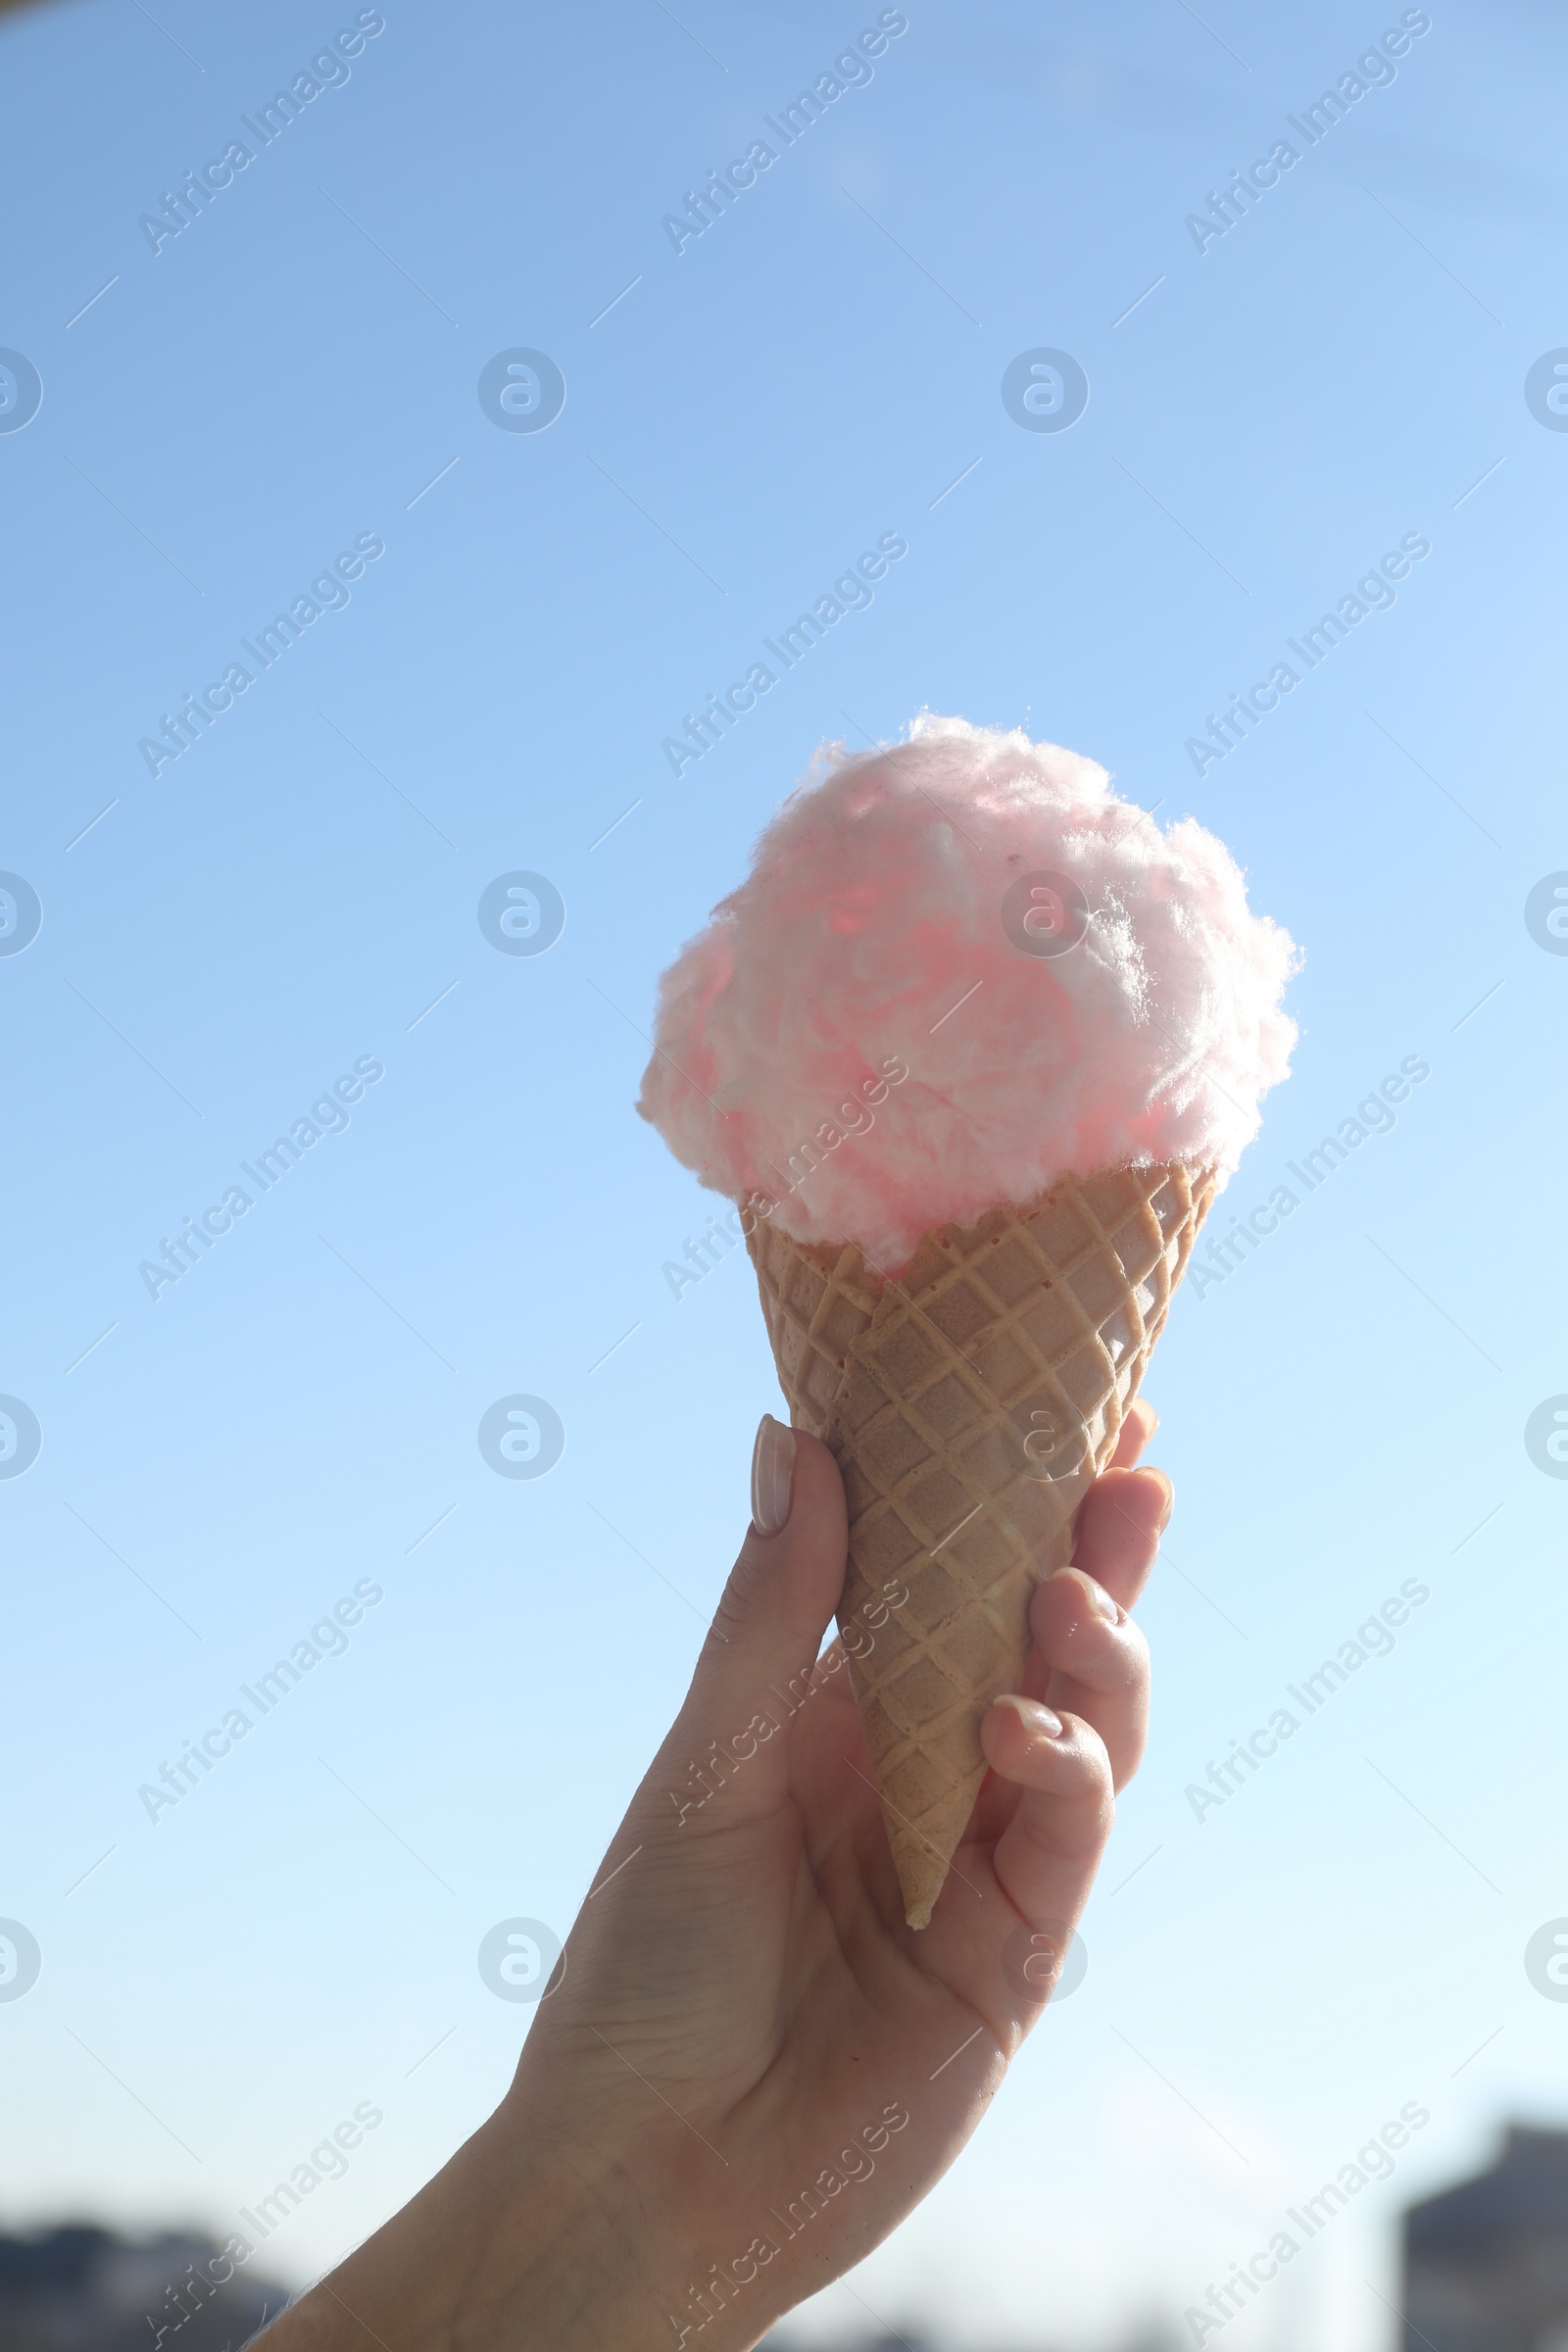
x: 751, y: 2069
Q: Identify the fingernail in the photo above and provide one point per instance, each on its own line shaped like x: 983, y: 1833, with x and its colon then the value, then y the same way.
x: 772, y: 1475
x: 1105, y: 1608
x: 1041, y: 1723
x: 1167, y: 1506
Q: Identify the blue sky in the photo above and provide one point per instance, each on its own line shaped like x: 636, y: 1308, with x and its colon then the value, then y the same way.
x: 296, y: 376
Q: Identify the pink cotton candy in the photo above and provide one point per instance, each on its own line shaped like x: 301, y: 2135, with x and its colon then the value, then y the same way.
x: 876, y: 1037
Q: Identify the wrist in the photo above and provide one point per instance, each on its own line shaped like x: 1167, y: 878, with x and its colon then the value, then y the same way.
x: 506, y: 2249
x: 533, y: 2236
x: 596, y: 2252
x: 571, y: 2257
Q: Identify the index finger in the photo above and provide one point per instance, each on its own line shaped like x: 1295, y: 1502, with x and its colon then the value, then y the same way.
x: 1137, y: 1429
x: 1119, y: 1527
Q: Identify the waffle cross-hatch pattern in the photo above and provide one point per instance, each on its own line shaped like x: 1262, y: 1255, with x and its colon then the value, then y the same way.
x: 969, y: 1402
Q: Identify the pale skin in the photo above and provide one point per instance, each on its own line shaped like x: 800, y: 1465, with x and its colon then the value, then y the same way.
x: 743, y: 2012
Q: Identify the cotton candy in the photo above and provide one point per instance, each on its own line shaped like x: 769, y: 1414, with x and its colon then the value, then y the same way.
x: 961, y: 967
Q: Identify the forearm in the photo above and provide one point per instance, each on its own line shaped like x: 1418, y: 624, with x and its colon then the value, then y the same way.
x: 502, y: 2252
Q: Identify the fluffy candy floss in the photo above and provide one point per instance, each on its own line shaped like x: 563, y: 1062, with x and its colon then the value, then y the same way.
x: 961, y: 969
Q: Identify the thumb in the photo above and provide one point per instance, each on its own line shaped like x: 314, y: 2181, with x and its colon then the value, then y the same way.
x: 786, y: 1584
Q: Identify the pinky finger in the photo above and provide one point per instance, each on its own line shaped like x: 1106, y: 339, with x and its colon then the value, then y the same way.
x: 1045, y: 1860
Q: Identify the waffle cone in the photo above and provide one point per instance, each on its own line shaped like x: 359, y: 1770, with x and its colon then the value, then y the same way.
x: 969, y: 1402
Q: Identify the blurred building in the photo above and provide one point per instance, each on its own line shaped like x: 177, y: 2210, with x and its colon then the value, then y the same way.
x: 80, y: 2289
x: 1486, y: 2264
